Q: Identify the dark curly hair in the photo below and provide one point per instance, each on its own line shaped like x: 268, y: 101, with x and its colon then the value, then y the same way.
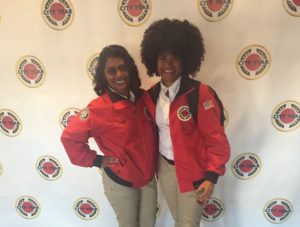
x: 116, y: 51
x: 181, y: 38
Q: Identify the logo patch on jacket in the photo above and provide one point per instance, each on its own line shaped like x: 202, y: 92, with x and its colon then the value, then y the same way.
x: 184, y: 113
x: 84, y: 114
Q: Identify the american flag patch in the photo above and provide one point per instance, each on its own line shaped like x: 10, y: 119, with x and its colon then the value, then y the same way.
x: 208, y: 105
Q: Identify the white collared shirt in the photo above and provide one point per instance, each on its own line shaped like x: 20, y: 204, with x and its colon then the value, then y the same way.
x: 162, y: 118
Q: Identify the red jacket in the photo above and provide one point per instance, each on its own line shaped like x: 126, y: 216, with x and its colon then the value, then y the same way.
x: 200, y: 151
x: 121, y: 129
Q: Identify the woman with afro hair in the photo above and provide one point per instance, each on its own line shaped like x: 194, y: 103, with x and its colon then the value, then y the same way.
x: 189, y: 116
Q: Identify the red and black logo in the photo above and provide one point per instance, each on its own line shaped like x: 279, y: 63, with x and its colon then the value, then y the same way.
x: 292, y: 7
x: 184, y: 113
x: 278, y: 210
x: 134, y: 12
x: 28, y: 207
x: 246, y: 166
x: 253, y: 62
x: 214, y: 10
x: 213, y: 210
x: 66, y: 116
x: 86, y: 208
x: 31, y: 71
x: 58, y: 14
x: 10, y: 123
x: 286, y: 116
x: 49, y: 168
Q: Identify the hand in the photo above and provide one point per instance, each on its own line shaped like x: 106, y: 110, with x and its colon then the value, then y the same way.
x: 109, y: 161
x: 203, y: 192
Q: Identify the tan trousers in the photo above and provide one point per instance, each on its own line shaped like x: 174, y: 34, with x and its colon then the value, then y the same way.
x: 184, y: 208
x: 133, y: 207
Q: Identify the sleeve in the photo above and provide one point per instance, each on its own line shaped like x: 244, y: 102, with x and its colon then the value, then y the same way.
x: 215, y: 139
x: 75, y: 140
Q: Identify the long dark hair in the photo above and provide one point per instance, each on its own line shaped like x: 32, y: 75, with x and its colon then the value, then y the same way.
x: 100, y: 83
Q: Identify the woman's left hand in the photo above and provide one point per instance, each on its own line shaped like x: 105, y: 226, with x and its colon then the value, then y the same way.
x: 203, y: 192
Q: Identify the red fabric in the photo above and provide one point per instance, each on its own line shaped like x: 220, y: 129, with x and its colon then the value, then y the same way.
x: 120, y: 129
x: 198, y: 149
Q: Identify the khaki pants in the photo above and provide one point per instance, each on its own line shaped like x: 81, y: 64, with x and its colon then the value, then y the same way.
x: 184, y: 208
x: 133, y: 207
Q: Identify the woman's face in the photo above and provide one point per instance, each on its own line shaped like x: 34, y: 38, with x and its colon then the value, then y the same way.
x: 169, y: 68
x: 116, y: 75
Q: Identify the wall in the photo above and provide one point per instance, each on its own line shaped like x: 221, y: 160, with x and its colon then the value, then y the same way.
x: 48, y: 51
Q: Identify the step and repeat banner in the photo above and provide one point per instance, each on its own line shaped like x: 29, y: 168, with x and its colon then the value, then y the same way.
x: 49, y: 50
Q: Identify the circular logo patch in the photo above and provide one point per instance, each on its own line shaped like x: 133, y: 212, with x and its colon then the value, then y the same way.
x: 246, y: 166
x: 58, y: 14
x: 278, y: 210
x: 213, y: 210
x: 28, y: 207
x: 49, y: 168
x: 92, y: 66
x: 66, y: 116
x: 184, y: 113
x: 10, y: 123
x: 84, y: 114
x: 31, y: 71
x: 86, y: 208
x: 214, y: 10
x: 292, y: 7
x: 134, y: 12
x: 286, y: 116
x: 253, y: 62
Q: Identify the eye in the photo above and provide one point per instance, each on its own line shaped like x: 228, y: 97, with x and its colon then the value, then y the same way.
x: 111, y: 71
x: 123, y: 68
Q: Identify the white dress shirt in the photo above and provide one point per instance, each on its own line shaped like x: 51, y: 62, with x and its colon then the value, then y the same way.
x: 162, y: 118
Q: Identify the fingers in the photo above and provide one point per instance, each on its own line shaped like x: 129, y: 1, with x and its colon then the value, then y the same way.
x: 109, y: 161
x: 203, y: 192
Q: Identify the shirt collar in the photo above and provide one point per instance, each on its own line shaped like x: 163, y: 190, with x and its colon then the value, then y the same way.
x: 131, y: 98
x: 173, y: 89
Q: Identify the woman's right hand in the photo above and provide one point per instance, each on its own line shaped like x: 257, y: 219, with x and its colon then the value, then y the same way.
x: 109, y: 161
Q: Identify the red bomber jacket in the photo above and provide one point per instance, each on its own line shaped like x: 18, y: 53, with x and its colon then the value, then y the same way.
x: 201, y: 149
x: 121, y: 129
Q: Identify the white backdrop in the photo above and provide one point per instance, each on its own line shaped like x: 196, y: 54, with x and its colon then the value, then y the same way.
x: 47, y: 53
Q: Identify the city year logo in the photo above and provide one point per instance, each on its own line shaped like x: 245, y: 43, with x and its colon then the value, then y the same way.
x: 10, y: 123
x: 92, y: 65
x: 184, y: 113
x: 253, y: 62
x: 49, y: 168
x: 278, y: 210
x: 86, y: 208
x: 246, y: 166
x: 134, y: 12
x: 214, y: 10
x: 213, y: 210
x: 292, y: 7
x: 58, y: 14
x: 66, y: 116
x: 286, y: 116
x: 28, y: 207
x: 31, y: 71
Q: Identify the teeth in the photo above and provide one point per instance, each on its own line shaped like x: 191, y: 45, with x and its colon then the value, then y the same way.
x: 120, y: 81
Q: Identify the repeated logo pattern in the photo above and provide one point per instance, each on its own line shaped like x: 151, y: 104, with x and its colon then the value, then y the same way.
x: 10, y: 123
x: 253, y: 62
x: 214, y: 10
x: 28, y: 207
x: 278, y: 210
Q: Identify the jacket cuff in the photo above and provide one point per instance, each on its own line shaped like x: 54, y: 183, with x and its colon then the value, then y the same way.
x: 211, y: 176
x: 97, y: 161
